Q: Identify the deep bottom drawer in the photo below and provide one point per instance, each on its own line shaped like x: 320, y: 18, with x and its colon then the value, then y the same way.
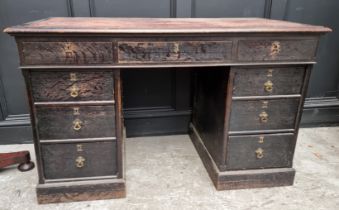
x: 260, y: 151
x: 68, y: 160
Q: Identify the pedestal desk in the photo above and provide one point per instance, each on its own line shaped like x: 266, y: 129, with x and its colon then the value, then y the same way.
x: 250, y: 79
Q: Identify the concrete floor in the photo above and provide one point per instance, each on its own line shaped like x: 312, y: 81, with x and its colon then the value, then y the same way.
x: 166, y: 173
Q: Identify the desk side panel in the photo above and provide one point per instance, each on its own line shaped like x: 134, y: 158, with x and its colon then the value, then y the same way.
x: 209, y: 109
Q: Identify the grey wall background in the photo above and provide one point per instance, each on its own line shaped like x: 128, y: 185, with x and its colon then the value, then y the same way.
x: 165, y: 107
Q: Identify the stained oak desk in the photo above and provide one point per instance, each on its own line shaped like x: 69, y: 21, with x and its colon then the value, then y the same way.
x: 250, y: 77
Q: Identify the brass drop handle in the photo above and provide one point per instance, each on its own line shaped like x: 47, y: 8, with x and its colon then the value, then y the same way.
x: 263, y: 117
x: 80, y: 162
x: 268, y: 86
x: 259, y: 153
x: 74, y: 91
x: 77, y: 124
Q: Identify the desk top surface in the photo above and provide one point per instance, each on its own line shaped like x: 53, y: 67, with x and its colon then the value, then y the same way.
x: 163, y: 25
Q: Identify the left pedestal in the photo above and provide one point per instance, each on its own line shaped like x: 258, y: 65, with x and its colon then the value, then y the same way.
x: 77, y: 127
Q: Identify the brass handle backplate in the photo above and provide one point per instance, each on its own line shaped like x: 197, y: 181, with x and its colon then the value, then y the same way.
x: 76, y: 111
x: 268, y: 86
x: 275, y: 48
x: 259, y: 153
x: 80, y: 162
x: 263, y: 117
x: 74, y: 91
x: 261, y: 139
x: 79, y: 148
x: 77, y: 124
x: 73, y: 77
x: 176, y: 48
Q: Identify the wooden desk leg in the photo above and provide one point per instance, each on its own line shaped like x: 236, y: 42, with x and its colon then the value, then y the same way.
x: 22, y: 158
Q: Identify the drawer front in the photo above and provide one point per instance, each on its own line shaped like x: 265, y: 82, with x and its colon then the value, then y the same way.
x: 187, y: 51
x: 72, y: 86
x: 79, y: 160
x: 260, y: 151
x: 268, y: 81
x: 72, y: 122
x: 66, y: 53
x: 263, y: 114
x: 277, y: 50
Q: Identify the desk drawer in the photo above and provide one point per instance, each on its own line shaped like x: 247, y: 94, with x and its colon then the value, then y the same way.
x: 252, y: 115
x: 66, y: 53
x: 72, y: 122
x: 180, y: 51
x: 268, y: 81
x: 69, y: 160
x: 277, y: 50
x: 260, y: 151
x: 72, y: 85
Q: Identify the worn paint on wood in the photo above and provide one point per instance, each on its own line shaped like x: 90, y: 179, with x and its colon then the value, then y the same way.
x: 163, y: 25
x: 66, y: 53
x: 84, y: 191
x: 79, y: 160
x: 256, y: 50
x: 281, y: 114
x: 240, y: 179
x: 73, y: 122
x: 276, y: 151
x: 255, y: 81
x: 72, y: 85
x: 188, y: 51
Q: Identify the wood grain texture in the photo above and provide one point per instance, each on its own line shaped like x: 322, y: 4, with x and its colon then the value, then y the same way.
x: 188, y: 51
x: 162, y: 25
x: 58, y: 122
x: 281, y: 114
x: 66, y: 53
x: 59, y: 160
x: 140, y: 50
x: 257, y: 50
x: 58, y: 85
x: 277, y: 151
x: 251, y: 81
x: 81, y: 191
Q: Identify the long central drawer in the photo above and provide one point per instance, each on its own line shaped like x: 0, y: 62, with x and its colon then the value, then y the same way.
x: 174, y: 51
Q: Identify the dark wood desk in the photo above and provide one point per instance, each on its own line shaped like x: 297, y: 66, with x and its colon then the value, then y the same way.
x: 250, y: 78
